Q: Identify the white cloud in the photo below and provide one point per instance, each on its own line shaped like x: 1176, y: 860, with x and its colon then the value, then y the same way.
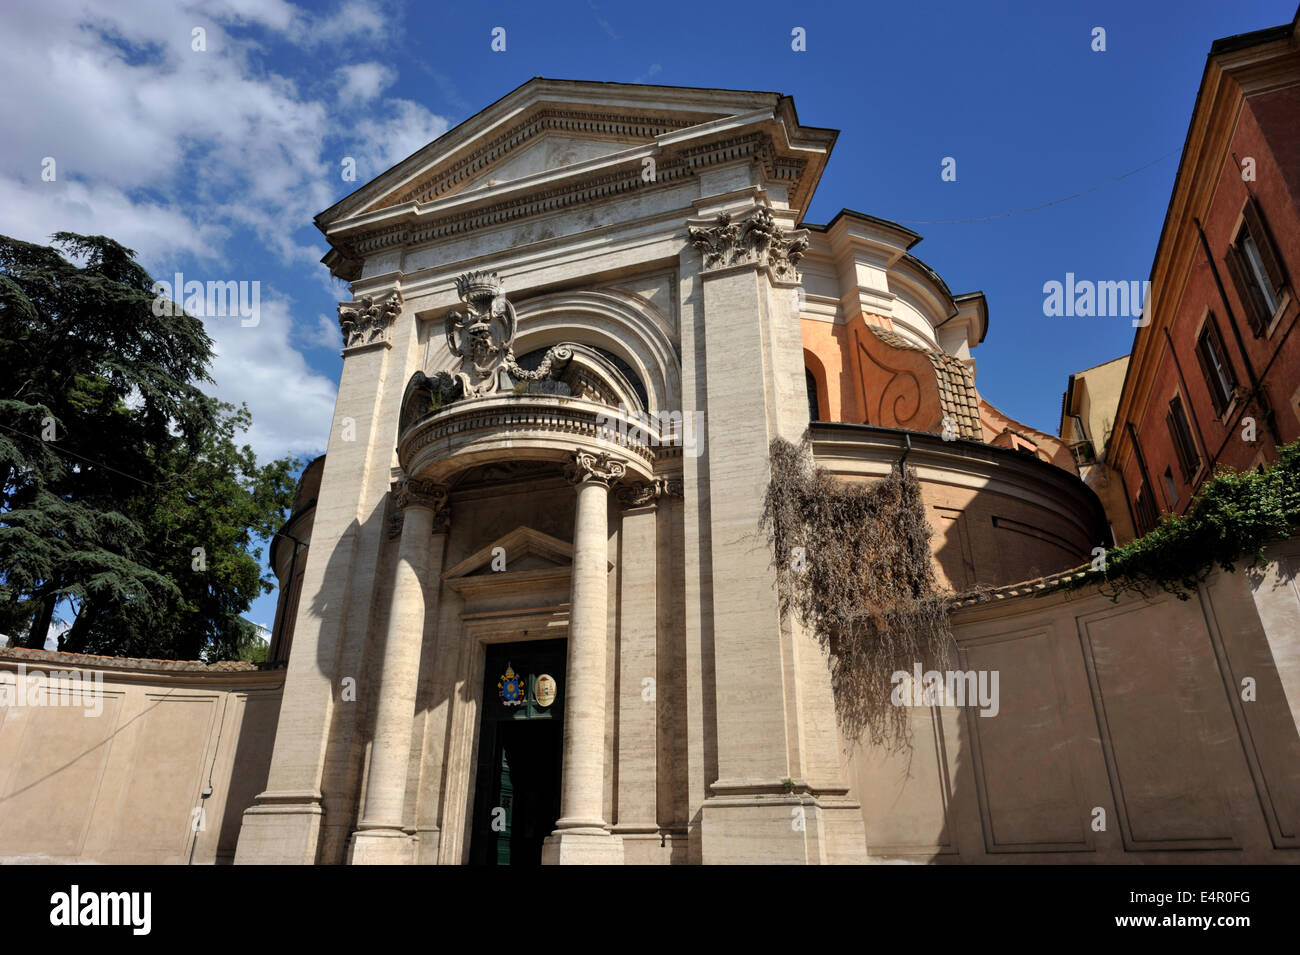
x: 384, y: 141
x: 362, y: 82
x: 326, y: 334
x: 352, y: 22
x: 175, y: 153
x: 292, y: 404
x: 121, y: 101
x: 156, y: 231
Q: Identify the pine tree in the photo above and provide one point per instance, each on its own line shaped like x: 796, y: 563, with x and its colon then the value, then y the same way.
x: 116, y: 465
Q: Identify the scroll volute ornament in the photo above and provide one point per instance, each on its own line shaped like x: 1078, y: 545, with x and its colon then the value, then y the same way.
x: 641, y: 493
x: 587, y: 467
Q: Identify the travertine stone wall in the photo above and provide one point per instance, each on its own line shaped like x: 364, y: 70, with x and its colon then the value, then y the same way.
x: 1173, y: 723
x: 123, y: 780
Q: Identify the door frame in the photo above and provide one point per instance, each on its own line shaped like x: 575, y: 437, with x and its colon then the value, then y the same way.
x: 461, y: 766
x: 552, y: 657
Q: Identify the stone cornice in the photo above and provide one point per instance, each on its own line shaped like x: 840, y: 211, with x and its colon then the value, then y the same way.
x: 49, y: 660
x: 590, y: 124
x: 411, y: 223
x: 869, y: 451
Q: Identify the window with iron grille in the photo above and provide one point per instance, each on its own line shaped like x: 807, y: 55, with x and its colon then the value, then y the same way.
x: 1189, y: 461
x: 1219, y: 377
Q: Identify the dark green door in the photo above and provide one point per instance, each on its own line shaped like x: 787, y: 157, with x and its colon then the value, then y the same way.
x: 517, y: 795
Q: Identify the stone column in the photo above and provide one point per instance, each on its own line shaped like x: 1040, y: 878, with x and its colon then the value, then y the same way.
x: 301, y: 816
x: 379, y: 839
x: 582, y: 833
x: 768, y: 707
x: 638, y: 636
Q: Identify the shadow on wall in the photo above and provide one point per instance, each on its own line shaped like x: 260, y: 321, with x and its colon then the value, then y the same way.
x: 124, y: 782
x: 1138, y: 731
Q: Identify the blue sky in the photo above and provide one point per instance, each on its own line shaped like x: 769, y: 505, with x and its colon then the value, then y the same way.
x: 212, y: 162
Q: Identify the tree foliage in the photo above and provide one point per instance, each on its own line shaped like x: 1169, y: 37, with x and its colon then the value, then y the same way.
x: 853, y: 564
x: 116, y: 465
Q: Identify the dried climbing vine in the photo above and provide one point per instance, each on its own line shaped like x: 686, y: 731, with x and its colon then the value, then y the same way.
x: 853, y: 565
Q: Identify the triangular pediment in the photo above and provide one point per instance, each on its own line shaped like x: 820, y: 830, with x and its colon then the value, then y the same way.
x: 543, y: 126
x: 523, y: 561
x: 523, y: 549
x: 552, y: 152
x: 550, y: 143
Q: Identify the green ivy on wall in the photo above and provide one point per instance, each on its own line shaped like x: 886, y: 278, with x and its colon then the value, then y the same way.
x: 1232, y: 518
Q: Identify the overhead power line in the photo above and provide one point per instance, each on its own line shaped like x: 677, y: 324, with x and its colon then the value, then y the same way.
x: 1043, y: 205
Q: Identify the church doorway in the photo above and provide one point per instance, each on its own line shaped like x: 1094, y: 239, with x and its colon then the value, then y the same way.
x: 517, y: 793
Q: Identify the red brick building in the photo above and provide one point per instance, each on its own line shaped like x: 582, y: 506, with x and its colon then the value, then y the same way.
x: 1214, y: 378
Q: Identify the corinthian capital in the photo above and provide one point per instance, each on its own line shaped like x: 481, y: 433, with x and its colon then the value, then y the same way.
x: 755, y: 240
x: 587, y: 467
x: 426, y: 494
x: 368, y: 320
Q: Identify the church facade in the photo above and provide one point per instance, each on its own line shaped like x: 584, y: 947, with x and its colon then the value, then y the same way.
x: 530, y: 616
x: 527, y: 613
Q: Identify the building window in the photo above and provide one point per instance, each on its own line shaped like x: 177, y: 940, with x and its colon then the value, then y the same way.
x: 1145, y: 508
x: 1080, y: 445
x: 1184, y: 447
x: 1080, y: 432
x: 1171, y: 489
x: 1256, y: 269
x: 1215, y: 367
x: 810, y: 381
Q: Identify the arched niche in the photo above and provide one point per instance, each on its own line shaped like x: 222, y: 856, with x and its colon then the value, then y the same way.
x: 623, y: 324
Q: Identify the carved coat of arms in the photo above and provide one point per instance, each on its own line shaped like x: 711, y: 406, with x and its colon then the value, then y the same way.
x: 481, y: 335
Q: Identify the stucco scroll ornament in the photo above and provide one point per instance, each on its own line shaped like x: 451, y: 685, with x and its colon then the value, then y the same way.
x: 480, y: 337
x: 641, y: 493
x: 587, y: 467
x: 367, y: 320
x: 757, y: 240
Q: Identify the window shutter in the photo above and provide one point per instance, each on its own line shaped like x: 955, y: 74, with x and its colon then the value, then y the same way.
x: 1207, y: 370
x: 1251, y: 301
x: 1188, y: 459
x: 1144, y: 506
x: 1178, y: 444
x: 1264, y: 242
x: 1224, y: 360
